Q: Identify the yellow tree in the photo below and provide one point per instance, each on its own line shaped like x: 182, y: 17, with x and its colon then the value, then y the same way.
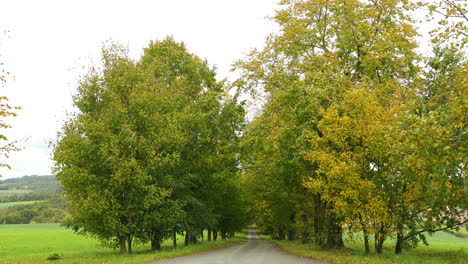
x: 390, y: 143
x: 352, y: 153
x: 6, y: 110
x: 323, y: 52
x: 6, y: 147
x: 452, y: 20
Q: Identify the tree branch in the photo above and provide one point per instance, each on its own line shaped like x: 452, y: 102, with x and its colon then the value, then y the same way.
x: 434, y: 230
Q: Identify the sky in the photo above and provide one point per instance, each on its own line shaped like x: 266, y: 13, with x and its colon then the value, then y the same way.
x: 49, y: 44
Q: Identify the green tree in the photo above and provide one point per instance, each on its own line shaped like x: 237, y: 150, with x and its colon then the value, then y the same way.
x: 149, y: 145
x: 101, y: 159
x: 198, y: 134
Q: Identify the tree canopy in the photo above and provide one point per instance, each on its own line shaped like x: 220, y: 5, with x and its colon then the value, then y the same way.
x: 151, y: 150
x: 359, y: 129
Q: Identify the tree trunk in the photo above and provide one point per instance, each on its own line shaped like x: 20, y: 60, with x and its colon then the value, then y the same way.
x: 155, y: 245
x: 399, y: 243
x: 380, y: 245
x: 318, y: 226
x: 366, y: 242
x: 334, y: 233
x: 215, y: 234
x: 156, y: 240
x: 129, y: 243
x: 174, y: 239
x: 190, y: 238
x: 292, y: 234
x: 379, y: 241
x: 305, y: 236
x: 281, y: 235
x: 322, y: 223
x: 209, y: 234
x: 292, y: 230
x: 376, y: 239
x: 122, y: 245
x: 187, y: 238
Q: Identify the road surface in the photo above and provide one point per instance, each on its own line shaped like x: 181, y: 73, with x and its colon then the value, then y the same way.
x: 253, y: 251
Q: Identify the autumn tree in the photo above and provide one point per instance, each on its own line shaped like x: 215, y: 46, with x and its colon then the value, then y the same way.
x: 324, y: 50
x: 452, y: 19
x: 6, y: 147
x: 6, y: 110
x: 342, y: 130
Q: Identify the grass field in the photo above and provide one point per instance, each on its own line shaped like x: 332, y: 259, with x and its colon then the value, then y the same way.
x: 4, y: 193
x: 34, y: 243
x: 443, y: 248
x: 11, y: 204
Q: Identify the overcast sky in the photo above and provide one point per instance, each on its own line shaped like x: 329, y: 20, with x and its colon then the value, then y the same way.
x: 50, y: 43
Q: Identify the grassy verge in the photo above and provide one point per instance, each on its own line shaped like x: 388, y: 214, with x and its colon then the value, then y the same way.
x: 34, y: 243
x: 443, y: 248
x: 11, y: 204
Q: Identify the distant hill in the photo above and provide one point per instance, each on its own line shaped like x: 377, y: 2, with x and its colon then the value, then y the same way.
x: 31, y: 199
x: 34, y: 183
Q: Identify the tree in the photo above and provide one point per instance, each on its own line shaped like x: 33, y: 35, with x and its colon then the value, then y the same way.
x: 101, y: 158
x: 436, y: 140
x: 452, y: 19
x: 353, y: 128
x: 6, y: 110
x: 203, y: 122
x: 149, y: 145
x: 325, y: 49
x: 7, y: 147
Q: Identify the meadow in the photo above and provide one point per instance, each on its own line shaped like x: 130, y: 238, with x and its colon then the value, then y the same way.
x: 11, y: 204
x: 34, y: 243
x: 5, y: 193
x: 444, y: 248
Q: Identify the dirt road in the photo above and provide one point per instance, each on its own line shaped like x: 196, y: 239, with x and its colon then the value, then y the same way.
x: 253, y: 251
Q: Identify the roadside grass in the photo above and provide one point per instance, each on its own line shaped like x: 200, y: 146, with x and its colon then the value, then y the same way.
x: 34, y: 243
x: 11, y: 204
x: 443, y: 248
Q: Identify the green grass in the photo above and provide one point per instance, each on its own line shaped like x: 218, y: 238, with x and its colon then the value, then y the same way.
x: 4, y: 193
x: 34, y: 243
x: 443, y: 248
x: 11, y: 204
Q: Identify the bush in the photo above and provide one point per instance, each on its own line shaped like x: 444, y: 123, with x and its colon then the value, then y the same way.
x: 54, y: 257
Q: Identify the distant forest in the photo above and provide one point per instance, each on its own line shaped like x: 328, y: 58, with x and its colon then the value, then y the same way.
x: 35, y: 183
x: 49, y: 207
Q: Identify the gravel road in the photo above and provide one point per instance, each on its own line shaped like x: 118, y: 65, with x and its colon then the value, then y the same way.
x: 253, y: 251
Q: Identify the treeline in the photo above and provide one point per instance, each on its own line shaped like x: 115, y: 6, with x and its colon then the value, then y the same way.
x: 27, y: 197
x: 38, y: 184
x: 152, y: 150
x: 50, y: 211
x: 359, y: 130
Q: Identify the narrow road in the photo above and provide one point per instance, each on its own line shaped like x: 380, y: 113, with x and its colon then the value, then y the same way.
x: 254, y: 250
